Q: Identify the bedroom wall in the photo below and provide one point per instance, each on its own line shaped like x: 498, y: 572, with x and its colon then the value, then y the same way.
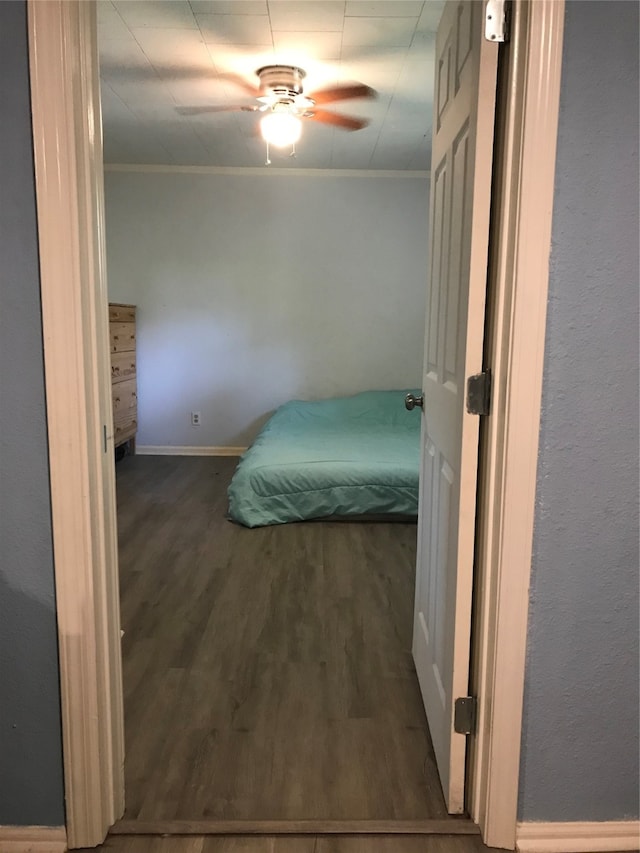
x: 31, y: 789
x: 254, y: 289
x: 580, y: 736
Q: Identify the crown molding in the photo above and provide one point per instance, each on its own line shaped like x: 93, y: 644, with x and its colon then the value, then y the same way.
x: 264, y: 171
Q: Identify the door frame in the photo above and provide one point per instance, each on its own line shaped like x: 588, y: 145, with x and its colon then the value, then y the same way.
x: 64, y: 87
x: 522, y: 201
x: 67, y: 144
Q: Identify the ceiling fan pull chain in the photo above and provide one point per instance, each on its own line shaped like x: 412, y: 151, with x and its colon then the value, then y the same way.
x: 268, y: 160
x: 293, y: 151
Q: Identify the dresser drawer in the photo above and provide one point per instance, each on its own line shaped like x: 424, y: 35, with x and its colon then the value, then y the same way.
x: 122, y: 345
x: 123, y: 365
x: 122, y: 313
x: 125, y: 400
x: 124, y: 430
x: 122, y: 337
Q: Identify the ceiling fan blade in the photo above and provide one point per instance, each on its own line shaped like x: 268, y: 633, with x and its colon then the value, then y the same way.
x: 211, y: 108
x: 343, y: 122
x: 343, y: 93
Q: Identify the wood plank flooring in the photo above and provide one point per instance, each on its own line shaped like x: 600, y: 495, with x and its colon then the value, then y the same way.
x: 299, y: 844
x: 268, y: 672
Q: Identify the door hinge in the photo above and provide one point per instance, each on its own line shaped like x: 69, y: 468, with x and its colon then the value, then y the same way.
x: 464, y: 715
x: 496, y: 20
x: 479, y: 393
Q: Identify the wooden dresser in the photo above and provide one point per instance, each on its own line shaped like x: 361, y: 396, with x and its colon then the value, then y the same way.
x: 122, y: 335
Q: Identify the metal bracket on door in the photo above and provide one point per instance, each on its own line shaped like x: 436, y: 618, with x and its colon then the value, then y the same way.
x: 479, y: 393
x: 106, y: 437
x: 464, y: 715
x: 495, y: 21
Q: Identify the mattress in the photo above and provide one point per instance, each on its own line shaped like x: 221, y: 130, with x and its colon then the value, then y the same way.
x: 349, y: 456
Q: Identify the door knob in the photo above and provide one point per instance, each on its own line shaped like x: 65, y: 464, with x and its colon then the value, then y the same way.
x: 411, y: 401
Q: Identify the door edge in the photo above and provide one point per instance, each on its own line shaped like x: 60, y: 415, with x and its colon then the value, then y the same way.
x: 509, y: 449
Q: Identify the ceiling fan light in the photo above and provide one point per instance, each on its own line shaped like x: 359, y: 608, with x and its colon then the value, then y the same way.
x: 280, y: 129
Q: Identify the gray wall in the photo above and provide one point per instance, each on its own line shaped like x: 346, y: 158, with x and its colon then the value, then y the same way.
x: 31, y: 790
x: 580, y: 739
x: 256, y: 289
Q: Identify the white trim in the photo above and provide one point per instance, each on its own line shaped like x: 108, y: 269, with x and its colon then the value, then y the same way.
x: 185, y: 450
x: 89, y: 648
x: 523, y: 202
x: 264, y: 171
x: 33, y: 839
x: 578, y: 837
x: 67, y: 151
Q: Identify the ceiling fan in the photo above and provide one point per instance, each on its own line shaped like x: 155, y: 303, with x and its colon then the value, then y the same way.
x: 281, y: 97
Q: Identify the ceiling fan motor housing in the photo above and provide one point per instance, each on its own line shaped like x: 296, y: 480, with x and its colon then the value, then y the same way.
x: 283, y: 81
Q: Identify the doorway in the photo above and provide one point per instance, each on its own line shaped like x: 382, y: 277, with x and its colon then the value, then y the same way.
x: 550, y: 30
x: 353, y: 729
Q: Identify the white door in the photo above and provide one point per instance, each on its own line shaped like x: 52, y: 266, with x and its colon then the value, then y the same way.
x: 464, y: 110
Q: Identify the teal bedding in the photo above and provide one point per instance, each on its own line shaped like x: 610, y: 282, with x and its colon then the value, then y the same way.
x: 349, y: 456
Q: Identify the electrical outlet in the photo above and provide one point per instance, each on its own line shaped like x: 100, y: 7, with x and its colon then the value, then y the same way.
x: 195, y: 418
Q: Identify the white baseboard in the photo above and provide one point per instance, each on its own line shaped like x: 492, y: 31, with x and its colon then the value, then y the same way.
x: 578, y: 837
x: 33, y: 839
x: 179, y: 450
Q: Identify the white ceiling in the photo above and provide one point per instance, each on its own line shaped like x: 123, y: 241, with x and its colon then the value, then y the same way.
x: 157, y: 55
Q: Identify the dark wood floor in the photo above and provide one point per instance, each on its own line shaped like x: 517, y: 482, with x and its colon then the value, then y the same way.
x: 267, y: 672
x: 299, y: 844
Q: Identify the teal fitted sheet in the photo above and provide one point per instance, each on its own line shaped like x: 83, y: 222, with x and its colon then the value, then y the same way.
x: 347, y: 456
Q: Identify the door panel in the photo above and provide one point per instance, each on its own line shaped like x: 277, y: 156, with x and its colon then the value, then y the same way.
x: 464, y: 112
